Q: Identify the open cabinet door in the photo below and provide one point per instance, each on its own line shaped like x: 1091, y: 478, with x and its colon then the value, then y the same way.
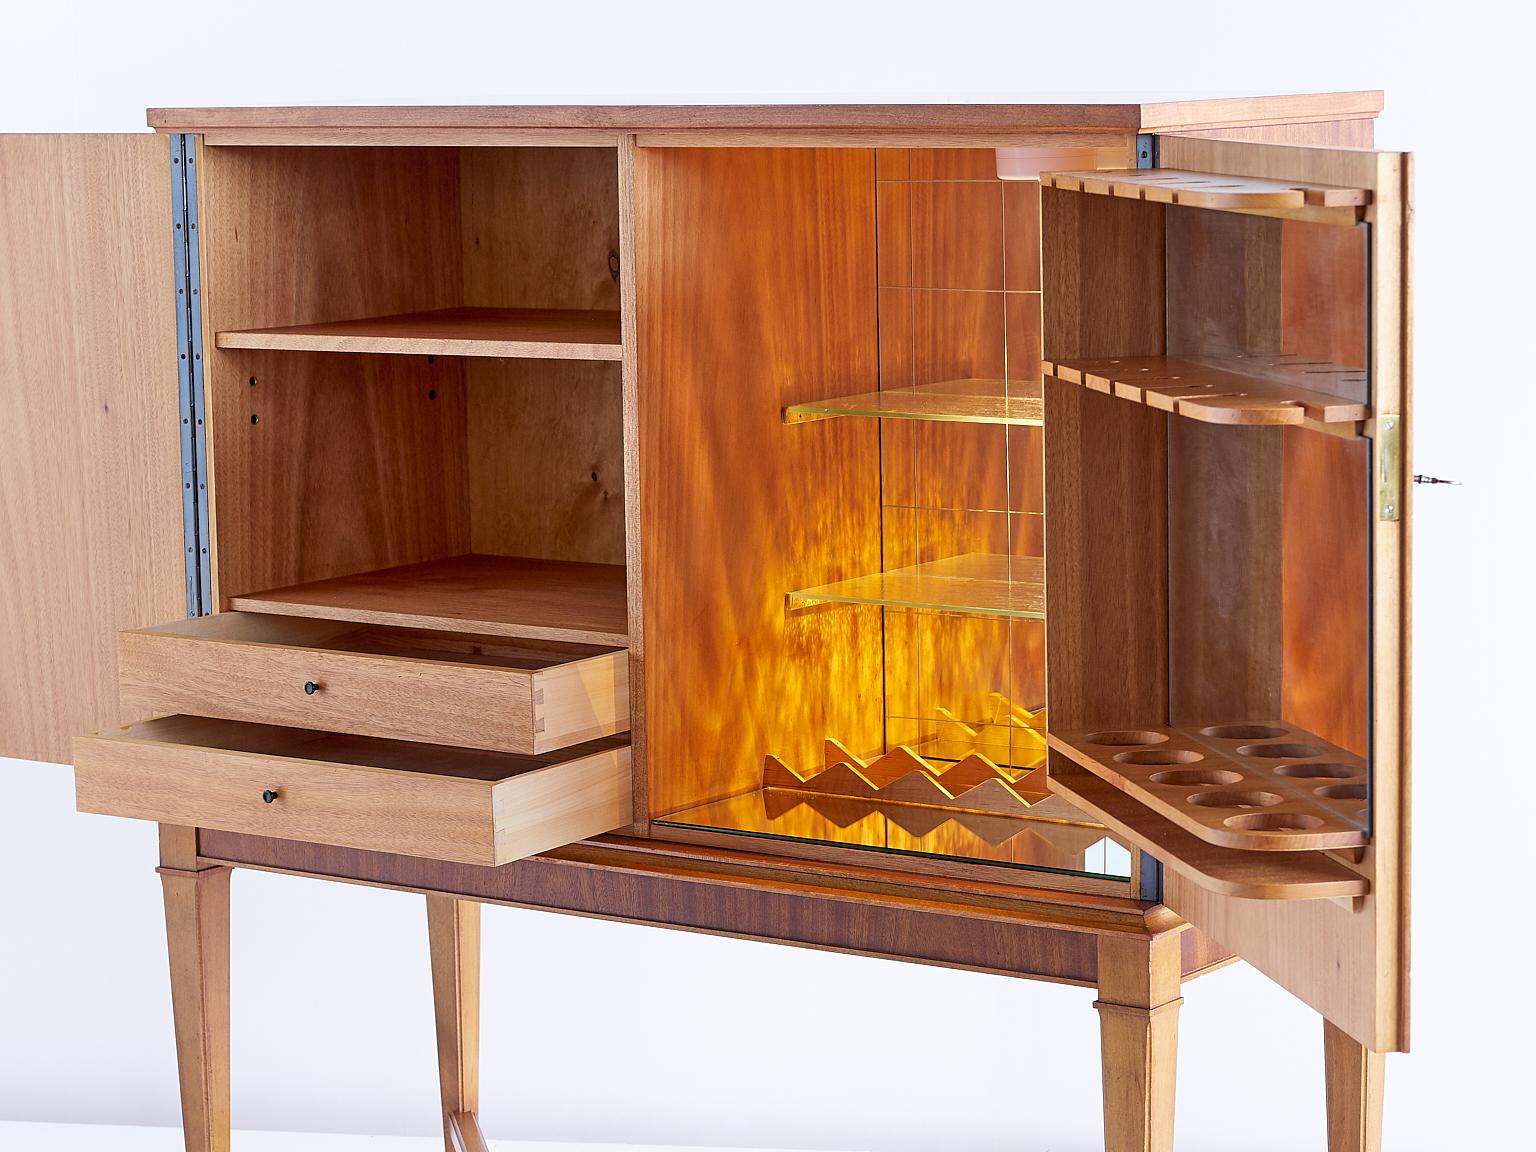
x: 1227, y: 428
x: 90, y: 508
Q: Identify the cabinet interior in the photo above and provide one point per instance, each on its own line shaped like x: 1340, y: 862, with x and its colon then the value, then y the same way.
x: 415, y: 363
x: 848, y: 488
x: 1209, y: 568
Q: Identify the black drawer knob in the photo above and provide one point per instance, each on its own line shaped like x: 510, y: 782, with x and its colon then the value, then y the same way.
x: 269, y: 795
x: 310, y: 687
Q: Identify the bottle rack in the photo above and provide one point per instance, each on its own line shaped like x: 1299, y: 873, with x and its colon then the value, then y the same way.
x: 1207, y: 190
x: 1251, y: 786
x: 901, y: 776
x: 1249, y: 390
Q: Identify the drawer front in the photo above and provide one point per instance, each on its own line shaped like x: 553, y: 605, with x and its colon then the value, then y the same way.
x: 145, y: 774
x: 259, y: 669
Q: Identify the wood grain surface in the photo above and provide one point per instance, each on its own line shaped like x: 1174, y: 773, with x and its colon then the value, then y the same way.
x: 424, y: 800
x: 496, y: 595
x: 90, y: 461
x: 522, y: 333
x: 331, y: 465
x: 466, y: 690
x: 756, y: 289
x: 1164, y: 116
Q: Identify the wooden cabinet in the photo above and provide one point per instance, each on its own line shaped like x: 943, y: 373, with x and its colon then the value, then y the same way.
x: 973, y: 535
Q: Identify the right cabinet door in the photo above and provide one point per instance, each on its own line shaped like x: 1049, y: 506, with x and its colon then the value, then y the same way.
x: 1227, y: 509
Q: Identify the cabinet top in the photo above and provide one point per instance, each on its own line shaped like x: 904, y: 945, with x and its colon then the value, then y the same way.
x: 872, y: 120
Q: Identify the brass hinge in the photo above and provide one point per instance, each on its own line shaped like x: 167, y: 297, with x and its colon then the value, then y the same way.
x: 1389, y: 439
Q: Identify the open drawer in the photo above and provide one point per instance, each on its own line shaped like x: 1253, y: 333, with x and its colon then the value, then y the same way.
x: 459, y: 804
x: 505, y: 695
x: 1226, y: 398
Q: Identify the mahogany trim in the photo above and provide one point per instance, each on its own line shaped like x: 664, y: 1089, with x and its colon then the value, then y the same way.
x: 1157, y: 116
x: 1044, y: 935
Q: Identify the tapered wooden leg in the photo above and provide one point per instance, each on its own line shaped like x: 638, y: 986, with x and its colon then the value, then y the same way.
x: 1355, y: 1078
x: 1139, y: 1032
x: 453, y: 929
x: 197, y: 934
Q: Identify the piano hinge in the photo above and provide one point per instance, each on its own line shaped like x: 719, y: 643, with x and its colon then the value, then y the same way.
x: 189, y: 368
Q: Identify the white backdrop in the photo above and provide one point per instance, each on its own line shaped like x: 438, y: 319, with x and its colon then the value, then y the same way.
x: 604, y: 1032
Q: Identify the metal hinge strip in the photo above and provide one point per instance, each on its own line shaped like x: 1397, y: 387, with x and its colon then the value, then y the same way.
x: 1389, y: 447
x: 189, y: 368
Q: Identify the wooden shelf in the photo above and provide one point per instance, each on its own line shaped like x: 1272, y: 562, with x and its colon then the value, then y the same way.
x: 517, y: 333
x: 1205, y: 190
x: 956, y: 401
x: 1279, y: 389
x: 490, y: 595
x: 977, y: 583
x: 1261, y: 786
x: 1224, y: 871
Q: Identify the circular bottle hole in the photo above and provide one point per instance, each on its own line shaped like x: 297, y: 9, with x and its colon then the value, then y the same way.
x: 1197, y: 777
x: 1124, y: 739
x: 1243, y: 731
x: 1322, y: 770
x: 1273, y: 821
x: 1234, y: 799
x: 1280, y: 751
x: 1160, y: 756
x: 1342, y: 792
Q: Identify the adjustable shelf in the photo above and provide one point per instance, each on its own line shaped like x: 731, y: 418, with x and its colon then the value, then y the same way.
x: 1014, y: 402
x: 1256, y: 786
x: 1205, y: 190
x: 1224, y: 871
x: 1278, y: 389
x: 517, y: 333
x: 978, y: 583
x: 490, y: 595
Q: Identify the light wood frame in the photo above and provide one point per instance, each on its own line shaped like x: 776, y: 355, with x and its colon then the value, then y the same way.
x: 850, y: 905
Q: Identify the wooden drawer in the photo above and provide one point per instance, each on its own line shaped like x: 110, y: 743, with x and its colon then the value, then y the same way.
x: 460, y: 804
x: 506, y: 695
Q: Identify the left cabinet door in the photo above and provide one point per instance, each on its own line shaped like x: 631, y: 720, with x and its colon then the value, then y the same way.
x: 90, y: 457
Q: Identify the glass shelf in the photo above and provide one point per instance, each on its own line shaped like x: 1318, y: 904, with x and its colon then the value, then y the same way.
x: 1015, y: 402
x: 976, y: 582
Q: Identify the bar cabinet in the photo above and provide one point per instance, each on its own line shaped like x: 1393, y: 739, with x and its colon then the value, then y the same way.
x: 973, y: 535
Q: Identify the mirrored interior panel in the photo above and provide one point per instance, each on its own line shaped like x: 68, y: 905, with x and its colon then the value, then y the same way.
x: 884, y: 624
